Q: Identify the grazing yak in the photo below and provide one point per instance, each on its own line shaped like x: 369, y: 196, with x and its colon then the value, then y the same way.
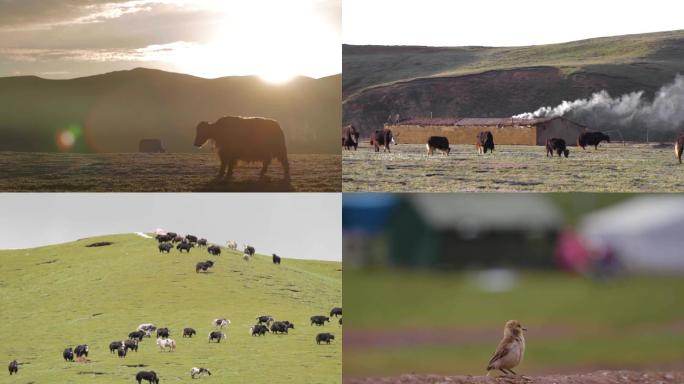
x: 202, y: 242
x: 150, y: 376
x: 165, y: 247
x: 169, y: 344
x: 232, y: 244
x: 163, y: 333
x: 591, y: 138
x: 251, y: 139
x: 276, y: 259
x: 13, y: 367
x: 268, y: 319
x: 121, y: 352
x: 325, y: 337
x: 151, y: 146
x: 337, y: 311
x: 214, y: 250
x: 172, y: 234
x: 131, y: 344
x: 281, y: 327
x: 216, y: 335
x: 68, y: 354
x: 350, y: 137
x: 258, y: 329
x: 164, y: 238
x: 147, y: 327
x: 248, y: 253
x: 181, y: 246
x: 114, y: 345
x: 199, y: 371
x: 177, y: 239
x: 556, y: 145
x: 221, y: 323
x: 81, y: 350
x: 189, y: 332
x: 319, y: 320
x: 203, y: 266
x: 439, y: 143
x: 679, y: 147
x: 137, y: 335
x: 191, y: 238
x: 382, y: 138
x: 485, y: 142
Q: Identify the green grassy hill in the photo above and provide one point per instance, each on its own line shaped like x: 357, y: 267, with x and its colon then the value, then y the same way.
x: 500, y: 81
x: 58, y: 296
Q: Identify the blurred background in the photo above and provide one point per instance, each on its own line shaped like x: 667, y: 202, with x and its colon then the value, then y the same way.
x: 430, y: 280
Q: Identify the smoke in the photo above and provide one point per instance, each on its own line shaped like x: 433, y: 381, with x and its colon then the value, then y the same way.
x: 632, y: 114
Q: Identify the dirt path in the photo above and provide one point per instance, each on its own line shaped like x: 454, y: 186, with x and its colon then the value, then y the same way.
x: 599, y: 377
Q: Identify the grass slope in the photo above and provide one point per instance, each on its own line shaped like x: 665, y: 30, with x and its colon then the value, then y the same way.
x: 58, y: 296
x: 612, y: 168
x: 444, y: 323
x: 369, y: 66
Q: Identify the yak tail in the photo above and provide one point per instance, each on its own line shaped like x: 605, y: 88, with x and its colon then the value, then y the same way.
x: 678, y: 151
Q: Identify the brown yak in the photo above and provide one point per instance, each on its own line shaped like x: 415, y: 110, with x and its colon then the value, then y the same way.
x: 245, y: 138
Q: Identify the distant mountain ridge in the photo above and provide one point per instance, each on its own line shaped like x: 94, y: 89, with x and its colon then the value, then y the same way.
x: 415, y: 81
x: 111, y: 112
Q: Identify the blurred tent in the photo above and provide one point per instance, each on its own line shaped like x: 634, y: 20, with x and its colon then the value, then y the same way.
x: 646, y: 233
x: 364, y: 218
x: 455, y: 230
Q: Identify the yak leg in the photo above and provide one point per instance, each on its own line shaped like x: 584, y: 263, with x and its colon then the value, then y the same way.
x: 231, y: 167
x: 222, y: 169
x: 264, y: 168
x: 286, y: 166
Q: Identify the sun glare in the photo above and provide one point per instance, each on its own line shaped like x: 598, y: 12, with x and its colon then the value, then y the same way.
x: 276, y: 77
x: 290, y: 40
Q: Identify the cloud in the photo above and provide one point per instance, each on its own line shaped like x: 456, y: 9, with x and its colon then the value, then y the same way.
x: 154, y: 52
x: 34, y: 14
x: 193, y: 36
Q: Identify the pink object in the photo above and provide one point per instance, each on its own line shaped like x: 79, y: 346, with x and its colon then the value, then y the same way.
x: 571, y: 253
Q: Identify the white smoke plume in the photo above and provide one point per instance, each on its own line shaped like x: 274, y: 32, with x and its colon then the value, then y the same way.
x: 631, y: 113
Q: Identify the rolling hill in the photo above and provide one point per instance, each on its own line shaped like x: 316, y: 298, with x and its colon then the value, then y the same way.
x: 500, y: 81
x: 113, y: 111
x: 68, y: 294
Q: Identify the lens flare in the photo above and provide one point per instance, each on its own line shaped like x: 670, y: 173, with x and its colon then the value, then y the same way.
x: 66, y: 138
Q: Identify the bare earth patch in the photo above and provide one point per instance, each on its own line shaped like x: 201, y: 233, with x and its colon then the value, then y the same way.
x: 168, y: 172
x: 614, y: 167
x: 599, y: 377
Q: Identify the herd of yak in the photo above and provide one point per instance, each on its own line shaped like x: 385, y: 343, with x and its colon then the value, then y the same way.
x: 264, y: 323
x: 484, y: 142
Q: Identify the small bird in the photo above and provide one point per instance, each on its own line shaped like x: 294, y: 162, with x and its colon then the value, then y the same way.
x: 511, y: 349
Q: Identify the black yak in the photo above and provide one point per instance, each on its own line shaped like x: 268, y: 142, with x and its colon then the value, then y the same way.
x: 591, y: 138
x: 556, y: 145
x: 325, y: 337
x: 245, y: 138
x: 150, y: 376
x: 485, y: 142
x: 439, y: 143
x: 13, y: 367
